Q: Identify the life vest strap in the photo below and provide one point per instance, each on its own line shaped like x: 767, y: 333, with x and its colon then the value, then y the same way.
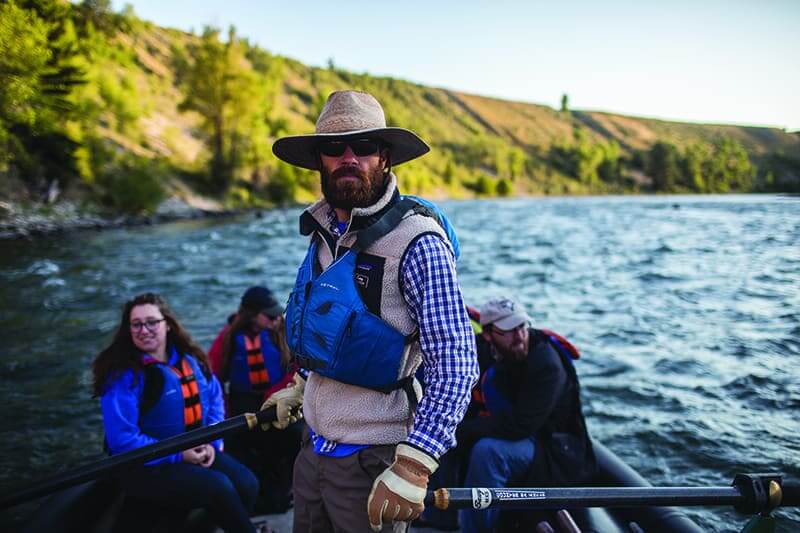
x: 381, y: 227
x: 192, y: 400
x: 308, y: 363
x: 562, y: 344
x: 195, y: 425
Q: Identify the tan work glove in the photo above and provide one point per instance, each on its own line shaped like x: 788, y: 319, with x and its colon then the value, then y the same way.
x: 398, y: 494
x: 288, y: 404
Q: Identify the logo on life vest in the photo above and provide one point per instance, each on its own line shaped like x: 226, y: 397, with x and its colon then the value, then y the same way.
x: 362, y: 280
x: 481, y: 498
x: 329, y: 286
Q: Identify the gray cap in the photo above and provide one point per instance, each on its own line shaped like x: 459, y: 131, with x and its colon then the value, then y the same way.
x: 503, y: 313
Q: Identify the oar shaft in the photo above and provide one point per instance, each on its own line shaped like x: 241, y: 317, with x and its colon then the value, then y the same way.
x: 165, y: 447
x: 559, y: 498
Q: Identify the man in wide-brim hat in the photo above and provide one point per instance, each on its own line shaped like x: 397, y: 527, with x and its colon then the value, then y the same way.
x: 376, y: 298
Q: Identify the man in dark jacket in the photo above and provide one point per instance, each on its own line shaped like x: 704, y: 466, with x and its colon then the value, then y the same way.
x: 531, y: 427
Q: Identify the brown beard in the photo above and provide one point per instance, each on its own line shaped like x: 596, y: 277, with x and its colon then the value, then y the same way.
x: 512, y: 353
x: 347, y: 195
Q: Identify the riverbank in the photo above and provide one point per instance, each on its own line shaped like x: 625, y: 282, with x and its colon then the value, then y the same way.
x: 19, y: 221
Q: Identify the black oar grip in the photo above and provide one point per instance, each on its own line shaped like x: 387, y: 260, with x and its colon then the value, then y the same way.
x: 262, y: 417
x: 790, y: 496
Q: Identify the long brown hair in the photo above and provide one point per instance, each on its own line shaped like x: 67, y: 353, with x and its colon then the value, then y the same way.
x: 241, y: 324
x: 122, y: 354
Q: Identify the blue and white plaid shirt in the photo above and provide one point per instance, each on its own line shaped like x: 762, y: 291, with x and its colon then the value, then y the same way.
x: 449, y: 355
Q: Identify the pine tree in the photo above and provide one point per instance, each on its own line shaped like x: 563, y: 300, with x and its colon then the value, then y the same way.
x: 223, y: 88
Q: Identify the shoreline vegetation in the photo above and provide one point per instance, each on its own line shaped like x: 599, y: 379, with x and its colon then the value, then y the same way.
x: 29, y: 222
x: 108, y: 120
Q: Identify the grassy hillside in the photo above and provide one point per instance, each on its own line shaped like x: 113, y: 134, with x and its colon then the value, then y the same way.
x: 156, y: 111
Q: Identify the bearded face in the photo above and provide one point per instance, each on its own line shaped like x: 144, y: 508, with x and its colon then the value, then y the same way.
x: 348, y: 186
x: 350, y: 181
x: 512, y: 344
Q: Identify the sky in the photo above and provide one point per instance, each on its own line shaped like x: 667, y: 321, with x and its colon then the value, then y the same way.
x: 729, y: 62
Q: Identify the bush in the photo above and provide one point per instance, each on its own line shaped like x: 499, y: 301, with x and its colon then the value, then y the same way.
x: 282, y: 185
x: 135, y: 186
x: 504, y: 187
x: 486, y: 186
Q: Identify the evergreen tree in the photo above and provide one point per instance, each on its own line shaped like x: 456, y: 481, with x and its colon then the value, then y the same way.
x: 38, y: 74
x: 663, y: 166
x: 223, y: 88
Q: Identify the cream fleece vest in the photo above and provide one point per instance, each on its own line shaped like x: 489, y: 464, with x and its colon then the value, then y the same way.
x: 356, y: 415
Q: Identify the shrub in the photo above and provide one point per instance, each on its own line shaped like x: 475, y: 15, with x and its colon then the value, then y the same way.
x: 134, y: 185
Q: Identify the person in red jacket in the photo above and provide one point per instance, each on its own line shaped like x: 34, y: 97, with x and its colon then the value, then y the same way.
x: 251, y: 358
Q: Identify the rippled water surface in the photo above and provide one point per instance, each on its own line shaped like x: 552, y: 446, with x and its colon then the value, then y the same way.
x: 687, y: 310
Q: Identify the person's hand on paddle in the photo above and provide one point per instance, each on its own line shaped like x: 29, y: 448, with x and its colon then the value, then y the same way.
x: 202, y: 455
x: 398, y: 494
x: 288, y: 404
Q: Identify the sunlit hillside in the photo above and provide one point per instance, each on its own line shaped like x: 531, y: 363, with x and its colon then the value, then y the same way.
x: 154, y: 111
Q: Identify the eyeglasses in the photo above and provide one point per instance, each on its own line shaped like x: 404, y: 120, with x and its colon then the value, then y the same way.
x: 151, y: 324
x: 508, y: 332
x: 360, y: 147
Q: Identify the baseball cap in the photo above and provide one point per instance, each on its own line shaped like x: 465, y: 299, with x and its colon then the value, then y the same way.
x: 503, y: 313
x: 260, y: 299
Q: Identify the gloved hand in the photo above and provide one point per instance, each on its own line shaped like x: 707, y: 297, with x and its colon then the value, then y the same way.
x: 288, y: 404
x: 399, y: 492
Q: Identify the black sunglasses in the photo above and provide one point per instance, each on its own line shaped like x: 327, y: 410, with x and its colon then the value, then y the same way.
x: 360, y: 147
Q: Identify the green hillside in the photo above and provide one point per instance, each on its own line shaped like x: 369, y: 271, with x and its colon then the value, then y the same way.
x: 111, y: 109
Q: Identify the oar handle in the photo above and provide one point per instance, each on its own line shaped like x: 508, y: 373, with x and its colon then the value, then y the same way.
x: 791, y: 494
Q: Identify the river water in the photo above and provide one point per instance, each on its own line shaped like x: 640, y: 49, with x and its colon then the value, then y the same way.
x: 686, y: 309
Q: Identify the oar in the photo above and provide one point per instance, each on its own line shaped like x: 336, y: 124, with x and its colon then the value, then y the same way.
x: 139, y: 456
x: 749, y: 494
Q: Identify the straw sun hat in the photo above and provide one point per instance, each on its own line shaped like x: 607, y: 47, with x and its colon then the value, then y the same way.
x: 347, y: 115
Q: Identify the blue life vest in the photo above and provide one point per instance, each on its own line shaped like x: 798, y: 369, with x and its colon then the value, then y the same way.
x: 331, y: 331
x: 168, y: 416
x: 493, y: 399
x: 242, y: 371
x: 329, y: 328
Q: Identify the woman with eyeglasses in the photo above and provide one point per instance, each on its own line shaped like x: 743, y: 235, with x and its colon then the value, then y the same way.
x: 154, y: 382
x: 253, y: 360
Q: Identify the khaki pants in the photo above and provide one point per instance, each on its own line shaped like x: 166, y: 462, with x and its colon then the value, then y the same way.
x: 330, y: 493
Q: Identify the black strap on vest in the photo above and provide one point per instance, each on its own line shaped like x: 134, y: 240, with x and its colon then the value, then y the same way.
x: 407, y: 384
x: 384, y: 225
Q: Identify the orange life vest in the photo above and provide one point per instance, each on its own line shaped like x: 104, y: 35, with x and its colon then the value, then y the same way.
x: 192, y: 408
x: 259, y: 376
